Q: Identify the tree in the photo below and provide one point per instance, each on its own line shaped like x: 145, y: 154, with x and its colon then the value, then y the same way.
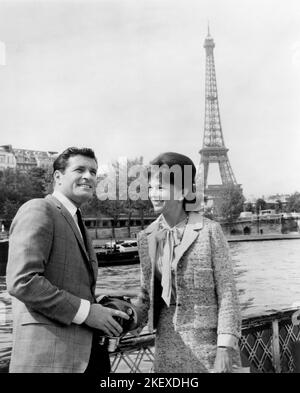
x: 122, y: 203
x: 260, y: 204
x: 39, y: 181
x: 249, y: 207
x: 293, y: 203
x: 9, y: 210
x: 112, y: 209
x: 139, y: 205
x: 278, y: 206
x: 92, y: 208
x: 17, y: 187
x: 144, y: 207
x: 231, y: 204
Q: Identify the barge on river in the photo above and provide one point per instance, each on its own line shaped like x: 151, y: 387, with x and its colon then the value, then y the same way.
x: 114, y: 258
x: 117, y: 258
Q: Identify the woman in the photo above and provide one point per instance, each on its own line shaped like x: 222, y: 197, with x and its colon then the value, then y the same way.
x: 188, y: 291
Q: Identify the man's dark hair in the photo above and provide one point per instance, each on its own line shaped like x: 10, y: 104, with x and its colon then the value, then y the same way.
x: 61, y: 161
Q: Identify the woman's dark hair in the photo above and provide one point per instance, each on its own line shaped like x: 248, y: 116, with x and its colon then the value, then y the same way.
x: 61, y: 161
x: 171, y: 159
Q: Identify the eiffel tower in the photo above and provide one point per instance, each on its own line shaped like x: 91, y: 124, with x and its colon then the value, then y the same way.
x: 214, y: 150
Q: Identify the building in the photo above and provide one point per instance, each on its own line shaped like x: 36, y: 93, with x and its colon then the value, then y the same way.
x: 281, y: 199
x: 24, y: 159
x: 277, y: 202
x: 7, y: 158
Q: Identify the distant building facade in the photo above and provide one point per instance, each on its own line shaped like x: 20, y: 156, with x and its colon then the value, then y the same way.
x: 7, y: 158
x: 24, y: 159
x: 272, y: 201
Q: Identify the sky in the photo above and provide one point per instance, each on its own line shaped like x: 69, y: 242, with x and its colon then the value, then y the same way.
x: 127, y: 78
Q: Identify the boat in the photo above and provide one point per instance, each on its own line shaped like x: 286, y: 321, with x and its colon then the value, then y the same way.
x: 117, y: 258
x: 122, y: 254
x: 118, y: 253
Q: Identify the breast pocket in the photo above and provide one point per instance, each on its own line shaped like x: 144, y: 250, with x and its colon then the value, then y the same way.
x: 203, y: 278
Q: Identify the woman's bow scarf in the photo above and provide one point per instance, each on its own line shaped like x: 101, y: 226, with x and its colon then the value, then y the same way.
x: 167, y: 239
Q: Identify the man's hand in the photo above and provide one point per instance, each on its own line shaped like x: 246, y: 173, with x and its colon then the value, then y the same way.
x: 223, y: 361
x: 102, y: 318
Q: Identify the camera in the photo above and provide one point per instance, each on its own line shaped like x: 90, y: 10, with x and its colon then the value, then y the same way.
x: 124, y: 304
x: 121, y: 303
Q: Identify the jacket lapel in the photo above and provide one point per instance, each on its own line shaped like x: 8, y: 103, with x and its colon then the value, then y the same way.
x: 151, y: 231
x: 67, y: 216
x: 92, y: 256
x: 72, y: 224
x: 194, y: 224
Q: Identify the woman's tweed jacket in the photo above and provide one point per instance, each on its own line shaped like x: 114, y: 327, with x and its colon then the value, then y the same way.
x: 205, y: 286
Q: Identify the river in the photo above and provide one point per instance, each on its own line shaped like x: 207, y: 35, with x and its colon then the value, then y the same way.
x: 267, y: 276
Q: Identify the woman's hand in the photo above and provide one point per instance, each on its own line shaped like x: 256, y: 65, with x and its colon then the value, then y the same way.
x: 223, y: 361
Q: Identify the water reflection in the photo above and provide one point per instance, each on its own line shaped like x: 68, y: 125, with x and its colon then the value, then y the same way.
x: 268, y: 275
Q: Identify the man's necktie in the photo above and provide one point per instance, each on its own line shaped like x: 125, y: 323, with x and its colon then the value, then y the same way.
x: 81, y: 226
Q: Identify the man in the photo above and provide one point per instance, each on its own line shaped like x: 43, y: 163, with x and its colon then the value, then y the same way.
x: 52, y: 273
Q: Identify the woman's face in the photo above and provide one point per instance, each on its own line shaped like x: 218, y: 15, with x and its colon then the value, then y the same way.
x: 164, y: 196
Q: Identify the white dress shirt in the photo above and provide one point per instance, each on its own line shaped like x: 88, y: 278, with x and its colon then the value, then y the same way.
x: 85, y: 305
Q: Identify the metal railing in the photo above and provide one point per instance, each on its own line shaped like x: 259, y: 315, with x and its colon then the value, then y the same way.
x: 134, y: 354
x: 269, y: 344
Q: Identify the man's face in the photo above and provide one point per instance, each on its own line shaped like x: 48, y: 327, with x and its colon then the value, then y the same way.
x: 78, y: 181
